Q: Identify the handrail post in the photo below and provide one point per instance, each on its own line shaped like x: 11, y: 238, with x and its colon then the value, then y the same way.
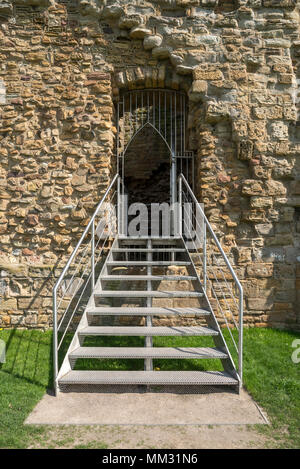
x: 119, y: 227
x: 55, y: 353
x: 204, y: 257
x: 241, y: 306
x: 180, y: 204
x: 93, y: 256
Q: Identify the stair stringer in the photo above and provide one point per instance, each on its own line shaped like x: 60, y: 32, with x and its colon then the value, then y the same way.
x: 75, y: 342
x: 228, y: 363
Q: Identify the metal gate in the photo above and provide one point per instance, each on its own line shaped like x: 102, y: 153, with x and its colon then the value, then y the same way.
x: 165, y: 111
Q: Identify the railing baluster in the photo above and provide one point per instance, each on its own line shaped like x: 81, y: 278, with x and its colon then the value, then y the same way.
x: 93, y: 256
x: 55, y: 352
x: 204, y: 258
x: 180, y: 206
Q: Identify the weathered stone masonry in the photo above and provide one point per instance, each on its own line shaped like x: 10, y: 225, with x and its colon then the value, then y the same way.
x: 64, y: 65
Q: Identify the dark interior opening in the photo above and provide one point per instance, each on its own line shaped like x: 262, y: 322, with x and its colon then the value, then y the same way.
x: 147, y: 168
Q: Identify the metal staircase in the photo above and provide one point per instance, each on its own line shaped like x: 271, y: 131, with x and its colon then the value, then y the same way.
x: 118, y: 286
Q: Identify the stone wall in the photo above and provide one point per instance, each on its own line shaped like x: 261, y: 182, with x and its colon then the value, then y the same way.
x: 64, y: 65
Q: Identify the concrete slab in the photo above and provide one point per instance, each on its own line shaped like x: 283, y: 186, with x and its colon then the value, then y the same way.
x: 147, y: 408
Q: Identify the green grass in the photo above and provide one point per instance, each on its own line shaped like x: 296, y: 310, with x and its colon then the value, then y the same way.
x: 273, y: 380
x: 269, y: 375
x: 23, y: 381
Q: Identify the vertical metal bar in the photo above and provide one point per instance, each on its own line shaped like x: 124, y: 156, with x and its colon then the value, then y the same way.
x: 192, y: 172
x: 119, y: 211
x: 175, y: 125
x: 171, y: 124
x: 173, y: 180
x: 130, y: 114
x: 187, y: 169
x: 118, y: 134
x: 136, y: 107
x: 159, y: 111
x: 124, y: 210
x: 93, y: 256
x: 165, y: 113
x: 181, y: 125
x: 148, y: 106
x: 204, y: 257
x: 55, y: 351
x: 153, y: 108
x: 124, y: 125
x: 241, y: 336
x: 173, y: 169
x: 148, y: 364
x: 184, y: 109
x: 142, y: 103
x: 180, y: 205
x: 123, y: 169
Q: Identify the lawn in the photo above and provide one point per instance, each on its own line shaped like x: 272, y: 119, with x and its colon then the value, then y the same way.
x: 269, y: 375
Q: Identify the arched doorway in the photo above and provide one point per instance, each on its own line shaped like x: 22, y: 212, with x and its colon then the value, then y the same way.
x: 147, y: 167
x: 151, y: 146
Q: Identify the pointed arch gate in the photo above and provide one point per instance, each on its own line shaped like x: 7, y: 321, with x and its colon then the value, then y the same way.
x: 165, y: 111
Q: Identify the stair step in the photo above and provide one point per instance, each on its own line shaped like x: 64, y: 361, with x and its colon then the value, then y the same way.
x: 147, y: 352
x: 141, y: 239
x: 147, y: 294
x: 134, y: 278
x: 145, y: 311
x: 125, y: 250
x: 146, y: 263
x: 209, y: 378
x: 147, y: 331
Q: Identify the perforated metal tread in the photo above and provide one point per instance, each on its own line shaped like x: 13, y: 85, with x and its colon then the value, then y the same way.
x: 144, y: 311
x: 147, y: 294
x: 141, y: 239
x: 147, y: 352
x: 203, y: 378
x: 147, y: 331
x: 146, y: 263
x: 135, y: 278
x: 124, y: 249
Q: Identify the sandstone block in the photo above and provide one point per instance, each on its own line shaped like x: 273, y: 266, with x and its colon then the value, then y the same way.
x: 252, y: 187
x: 261, y: 202
x: 260, y: 304
x: 8, y: 304
x: 265, y: 229
x: 152, y: 41
x: 207, y: 72
x: 260, y: 270
x: 197, y: 90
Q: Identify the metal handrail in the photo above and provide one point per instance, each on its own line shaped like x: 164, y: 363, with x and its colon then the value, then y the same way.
x: 207, y: 225
x: 90, y: 225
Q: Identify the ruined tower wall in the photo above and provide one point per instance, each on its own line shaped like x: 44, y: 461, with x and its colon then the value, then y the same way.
x: 64, y: 65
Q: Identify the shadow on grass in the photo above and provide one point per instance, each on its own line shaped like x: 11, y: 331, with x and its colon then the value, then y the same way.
x: 29, y: 356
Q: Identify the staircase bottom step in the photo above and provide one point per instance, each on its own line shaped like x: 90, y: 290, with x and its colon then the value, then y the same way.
x: 209, y: 378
